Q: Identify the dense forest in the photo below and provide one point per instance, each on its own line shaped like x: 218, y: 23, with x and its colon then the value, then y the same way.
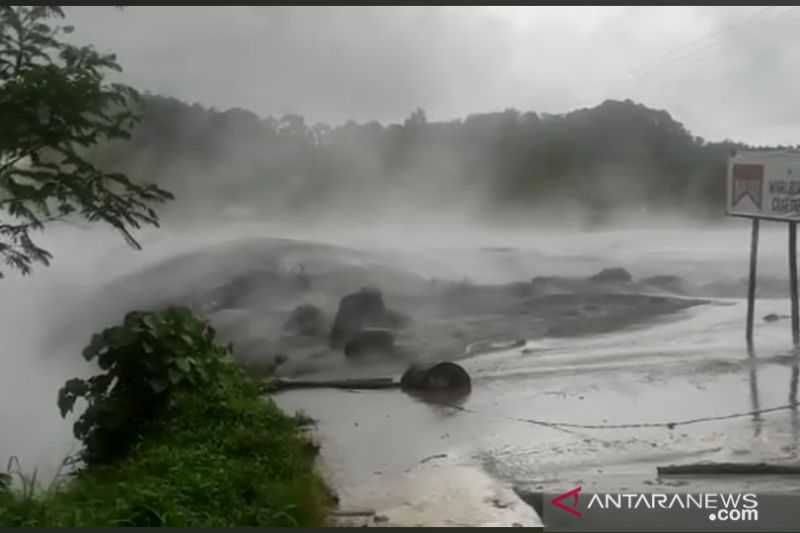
x: 618, y: 155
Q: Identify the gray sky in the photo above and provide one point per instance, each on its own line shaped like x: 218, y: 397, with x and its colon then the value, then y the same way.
x: 722, y: 71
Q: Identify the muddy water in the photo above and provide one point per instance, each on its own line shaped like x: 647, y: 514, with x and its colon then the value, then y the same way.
x: 409, y: 459
x: 693, y: 366
x: 375, y: 444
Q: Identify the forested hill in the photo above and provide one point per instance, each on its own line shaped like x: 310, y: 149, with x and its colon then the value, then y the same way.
x: 615, y: 155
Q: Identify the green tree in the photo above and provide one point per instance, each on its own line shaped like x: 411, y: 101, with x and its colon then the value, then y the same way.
x: 56, y: 103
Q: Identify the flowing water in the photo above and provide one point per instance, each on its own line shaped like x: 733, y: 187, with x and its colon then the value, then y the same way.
x: 423, y: 463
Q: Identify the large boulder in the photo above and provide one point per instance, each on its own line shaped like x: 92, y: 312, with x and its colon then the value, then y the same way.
x: 439, y: 377
x: 612, y: 275
x: 361, y: 310
x: 370, y: 341
x: 307, y: 321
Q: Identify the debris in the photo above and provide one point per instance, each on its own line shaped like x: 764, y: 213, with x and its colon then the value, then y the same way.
x: 380, y: 518
x: 497, y: 502
x: 432, y: 457
x: 440, y: 376
x: 370, y: 340
x: 613, y: 275
x: 729, y: 468
x: 368, y: 383
x: 353, y: 512
x: 360, y: 310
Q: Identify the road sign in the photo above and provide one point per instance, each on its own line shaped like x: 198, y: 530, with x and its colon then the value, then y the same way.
x: 764, y: 184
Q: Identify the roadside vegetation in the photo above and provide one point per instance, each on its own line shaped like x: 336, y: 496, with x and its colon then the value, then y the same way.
x: 174, y: 434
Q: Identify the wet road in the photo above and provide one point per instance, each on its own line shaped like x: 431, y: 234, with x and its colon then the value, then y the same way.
x: 692, y: 365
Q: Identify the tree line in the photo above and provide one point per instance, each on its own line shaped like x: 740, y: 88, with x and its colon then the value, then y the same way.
x: 619, y: 154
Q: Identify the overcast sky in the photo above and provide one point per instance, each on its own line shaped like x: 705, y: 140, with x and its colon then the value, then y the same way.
x: 722, y: 71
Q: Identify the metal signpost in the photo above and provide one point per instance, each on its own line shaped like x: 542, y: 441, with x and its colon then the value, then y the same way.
x: 766, y: 185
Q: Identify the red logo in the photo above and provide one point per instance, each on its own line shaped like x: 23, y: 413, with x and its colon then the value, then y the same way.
x: 748, y: 181
x: 573, y: 508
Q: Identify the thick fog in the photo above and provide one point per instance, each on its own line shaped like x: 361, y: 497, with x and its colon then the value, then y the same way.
x: 596, y: 161
x: 725, y: 71
x: 49, y: 317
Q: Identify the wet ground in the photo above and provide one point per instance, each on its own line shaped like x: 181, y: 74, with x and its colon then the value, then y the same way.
x: 687, y: 365
x: 417, y: 463
x: 690, y: 366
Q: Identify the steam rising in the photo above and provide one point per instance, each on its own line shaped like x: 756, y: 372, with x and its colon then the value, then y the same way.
x: 410, y: 195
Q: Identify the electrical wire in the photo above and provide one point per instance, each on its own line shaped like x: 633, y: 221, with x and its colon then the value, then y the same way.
x: 667, y: 425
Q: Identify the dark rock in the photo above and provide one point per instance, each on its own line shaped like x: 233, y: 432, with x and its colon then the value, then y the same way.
x: 307, y: 321
x: 361, y: 310
x: 357, y: 311
x: 370, y: 341
x: 438, y: 377
x: 613, y: 275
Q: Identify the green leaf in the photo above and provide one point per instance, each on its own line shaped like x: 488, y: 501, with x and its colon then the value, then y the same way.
x: 150, y: 321
x: 175, y: 377
x: 183, y: 364
x: 187, y: 339
x: 94, y: 346
x: 158, y: 385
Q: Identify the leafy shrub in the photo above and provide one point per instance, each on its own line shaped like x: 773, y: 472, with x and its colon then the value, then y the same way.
x: 146, y: 360
x: 226, y: 457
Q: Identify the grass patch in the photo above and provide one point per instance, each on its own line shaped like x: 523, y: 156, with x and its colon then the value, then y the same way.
x: 220, y: 457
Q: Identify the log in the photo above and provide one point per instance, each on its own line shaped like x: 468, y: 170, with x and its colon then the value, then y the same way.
x: 353, y: 512
x: 729, y: 468
x: 439, y: 377
x: 366, y: 383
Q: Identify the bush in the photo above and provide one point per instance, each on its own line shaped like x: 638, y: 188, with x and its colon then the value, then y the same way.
x: 146, y: 360
x: 221, y: 458
x: 177, y: 436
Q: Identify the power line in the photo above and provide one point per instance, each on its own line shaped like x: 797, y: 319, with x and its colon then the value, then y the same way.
x: 669, y: 84
x: 666, y: 425
x: 670, y: 56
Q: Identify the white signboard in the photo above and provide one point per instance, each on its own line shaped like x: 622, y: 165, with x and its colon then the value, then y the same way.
x: 764, y: 185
